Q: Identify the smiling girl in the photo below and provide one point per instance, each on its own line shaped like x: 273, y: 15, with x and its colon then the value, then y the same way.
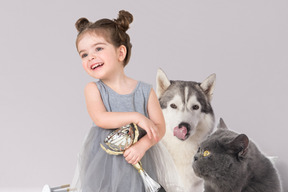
x: 115, y: 100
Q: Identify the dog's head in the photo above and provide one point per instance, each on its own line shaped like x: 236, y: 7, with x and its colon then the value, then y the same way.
x: 185, y: 104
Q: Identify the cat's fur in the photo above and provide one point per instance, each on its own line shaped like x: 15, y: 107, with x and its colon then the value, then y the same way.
x: 234, y: 164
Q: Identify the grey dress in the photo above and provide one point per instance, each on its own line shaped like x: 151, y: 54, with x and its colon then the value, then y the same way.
x: 103, y: 172
x: 98, y: 171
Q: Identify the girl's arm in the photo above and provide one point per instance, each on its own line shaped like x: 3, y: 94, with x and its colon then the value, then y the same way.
x: 108, y: 120
x: 135, y: 153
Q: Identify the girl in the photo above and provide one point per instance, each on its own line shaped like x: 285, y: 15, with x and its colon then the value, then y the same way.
x: 113, y: 101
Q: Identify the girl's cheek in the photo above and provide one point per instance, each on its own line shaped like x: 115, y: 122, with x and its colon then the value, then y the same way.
x: 84, y: 65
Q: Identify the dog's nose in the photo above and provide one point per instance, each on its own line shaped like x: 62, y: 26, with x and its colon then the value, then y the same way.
x: 195, y: 158
x: 187, y: 125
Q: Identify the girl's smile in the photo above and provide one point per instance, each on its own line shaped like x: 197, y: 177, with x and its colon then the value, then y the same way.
x: 96, y: 65
x: 100, y: 59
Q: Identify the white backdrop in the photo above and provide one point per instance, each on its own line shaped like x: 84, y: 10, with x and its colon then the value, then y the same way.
x: 43, y: 114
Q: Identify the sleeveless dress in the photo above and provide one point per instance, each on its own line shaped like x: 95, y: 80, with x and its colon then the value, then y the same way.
x: 98, y: 171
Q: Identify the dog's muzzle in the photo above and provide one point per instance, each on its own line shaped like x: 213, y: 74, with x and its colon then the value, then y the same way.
x: 182, y: 131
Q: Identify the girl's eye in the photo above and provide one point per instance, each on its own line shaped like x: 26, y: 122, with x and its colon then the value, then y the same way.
x: 84, y: 55
x: 206, y: 153
x: 99, y: 48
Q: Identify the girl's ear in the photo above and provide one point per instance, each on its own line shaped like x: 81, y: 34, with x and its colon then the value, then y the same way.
x: 122, y: 51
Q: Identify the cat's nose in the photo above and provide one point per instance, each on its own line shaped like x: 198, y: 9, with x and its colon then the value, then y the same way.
x: 195, y: 158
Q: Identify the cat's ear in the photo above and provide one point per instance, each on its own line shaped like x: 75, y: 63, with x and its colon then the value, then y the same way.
x: 221, y: 124
x: 239, y: 146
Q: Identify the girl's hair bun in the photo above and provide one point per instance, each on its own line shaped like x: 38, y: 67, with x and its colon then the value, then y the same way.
x: 82, y: 24
x: 123, y: 20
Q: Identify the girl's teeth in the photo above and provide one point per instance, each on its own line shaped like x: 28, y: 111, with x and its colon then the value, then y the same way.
x: 97, y: 65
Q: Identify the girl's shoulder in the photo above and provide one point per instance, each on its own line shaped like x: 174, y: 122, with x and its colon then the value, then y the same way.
x: 91, y: 89
x: 91, y: 85
x: 144, y: 85
x: 145, y: 88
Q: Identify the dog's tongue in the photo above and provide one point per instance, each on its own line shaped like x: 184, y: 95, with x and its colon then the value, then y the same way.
x: 180, y: 132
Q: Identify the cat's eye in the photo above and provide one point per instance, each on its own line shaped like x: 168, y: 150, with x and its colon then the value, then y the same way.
x: 173, y: 106
x: 206, y: 153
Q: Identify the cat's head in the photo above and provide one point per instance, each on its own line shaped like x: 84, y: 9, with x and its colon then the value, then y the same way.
x: 222, y: 155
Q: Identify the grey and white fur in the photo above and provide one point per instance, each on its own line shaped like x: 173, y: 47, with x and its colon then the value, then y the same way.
x: 189, y: 119
x: 230, y: 162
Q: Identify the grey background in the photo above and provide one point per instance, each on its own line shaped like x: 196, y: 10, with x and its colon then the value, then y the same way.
x: 43, y: 114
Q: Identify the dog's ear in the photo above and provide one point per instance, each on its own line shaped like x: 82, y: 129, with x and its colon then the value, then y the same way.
x: 162, y: 82
x: 221, y: 124
x: 208, y: 85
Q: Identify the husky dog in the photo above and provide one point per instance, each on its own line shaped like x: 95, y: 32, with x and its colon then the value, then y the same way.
x: 189, y: 119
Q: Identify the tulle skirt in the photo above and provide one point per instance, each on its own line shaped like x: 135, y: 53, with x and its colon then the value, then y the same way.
x: 98, y: 171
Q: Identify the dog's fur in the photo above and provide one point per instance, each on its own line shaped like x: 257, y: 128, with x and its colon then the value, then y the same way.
x: 186, y: 105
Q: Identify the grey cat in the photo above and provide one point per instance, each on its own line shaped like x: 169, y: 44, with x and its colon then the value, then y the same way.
x: 229, y: 162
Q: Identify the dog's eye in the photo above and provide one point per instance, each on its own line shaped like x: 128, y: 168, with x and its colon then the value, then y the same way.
x: 198, y: 150
x: 195, y: 107
x: 173, y: 106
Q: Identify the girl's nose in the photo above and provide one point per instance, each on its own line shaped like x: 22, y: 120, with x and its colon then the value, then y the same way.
x: 92, y: 56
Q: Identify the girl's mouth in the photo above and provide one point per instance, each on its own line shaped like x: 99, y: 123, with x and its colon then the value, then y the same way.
x: 94, y: 66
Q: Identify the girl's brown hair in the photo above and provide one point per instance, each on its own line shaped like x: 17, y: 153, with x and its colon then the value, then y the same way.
x: 114, y: 31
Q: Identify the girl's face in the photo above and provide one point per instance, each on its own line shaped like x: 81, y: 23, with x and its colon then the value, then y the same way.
x: 100, y: 59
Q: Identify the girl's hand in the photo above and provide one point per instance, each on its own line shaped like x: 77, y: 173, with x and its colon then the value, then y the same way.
x: 149, y: 127
x: 134, y: 153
